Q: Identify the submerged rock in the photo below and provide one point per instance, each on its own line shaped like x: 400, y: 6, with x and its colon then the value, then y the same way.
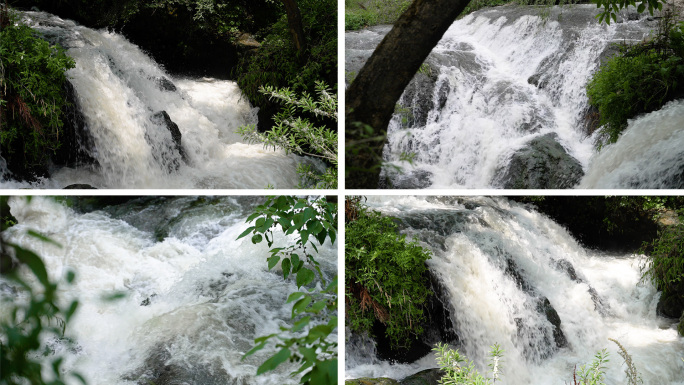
x: 542, y: 164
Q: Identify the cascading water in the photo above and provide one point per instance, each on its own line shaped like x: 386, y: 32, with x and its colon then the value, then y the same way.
x: 195, y: 297
x: 506, y: 271
x: 501, y: 102
x: 649, y: 154
x: 121, y: 93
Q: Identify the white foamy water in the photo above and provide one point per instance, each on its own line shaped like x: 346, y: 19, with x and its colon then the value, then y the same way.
x: 504, y: 77
x: 648, y: 154
x: 476, y: 240
x: 195, y: 297
x: 119, y: 88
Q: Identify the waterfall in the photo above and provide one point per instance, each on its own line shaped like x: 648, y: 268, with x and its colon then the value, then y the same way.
x: 122, y: 92
x: 195, y: 298
x: 501, y: 101
x: 649, y: 154
x: 507, y: 269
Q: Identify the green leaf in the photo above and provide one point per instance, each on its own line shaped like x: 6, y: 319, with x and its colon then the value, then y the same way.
x: 300, y: 305
x: 251, y: 217
x: 274, y: 361
x: 257, y: 238
x: 244, y: 233
x: 254, y: 349
x: 295, y: 263
x: 286, y: 267
x: 299, y: 325
x: 42, y: 238
x: 641, y: 8
x: 294, y: 296
x: 273, y: 260
x: 304, y: 277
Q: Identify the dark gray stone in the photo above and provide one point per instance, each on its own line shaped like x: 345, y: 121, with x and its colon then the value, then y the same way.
x: 425, y: 377
x: 542, y: 164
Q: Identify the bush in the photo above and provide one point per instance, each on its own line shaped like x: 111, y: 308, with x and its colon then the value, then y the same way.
x: 640, y: 79
x: 459, y: 370
x: 385, y: 278
x: 298, y: 135
x: 32, y: 74
x: 665, y: 264
x: 277, y: 64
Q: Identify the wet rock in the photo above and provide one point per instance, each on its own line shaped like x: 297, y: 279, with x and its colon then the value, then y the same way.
x: 246, y: 40
x: 425, y: 377
x: 372, y: 381
x: 565, y: 266
x: 157, y: 370
x: 544, y: 307
x: 671, y: 306
x: 79, y: 186
x: 78, y: 144
x: 165, y: 84
x: 148, y: 301
x: 413, y: 179
x: 162, y: 117
x: 542, y: 164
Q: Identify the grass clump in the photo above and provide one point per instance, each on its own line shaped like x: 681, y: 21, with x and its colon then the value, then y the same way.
x: 641, y: 78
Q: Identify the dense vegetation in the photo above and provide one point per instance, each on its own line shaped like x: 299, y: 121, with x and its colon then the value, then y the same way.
x: 639, y: 79
x: 31, y: 102
x: 385, y: 276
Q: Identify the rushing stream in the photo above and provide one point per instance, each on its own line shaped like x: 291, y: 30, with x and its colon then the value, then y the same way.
x: 498, y: 261
x: 195, y: 298
x: 501, y: 103
x: 121, y: 93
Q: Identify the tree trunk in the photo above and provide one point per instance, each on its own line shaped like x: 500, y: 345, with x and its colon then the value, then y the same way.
x: 294, y: 20
x: 372, y: 96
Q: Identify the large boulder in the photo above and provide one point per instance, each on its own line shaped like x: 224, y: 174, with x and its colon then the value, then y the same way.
x: 542, y: 164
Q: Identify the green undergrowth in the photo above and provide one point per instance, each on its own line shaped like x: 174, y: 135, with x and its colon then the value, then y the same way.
x: 277, y: 64
x: 385, y: 276
x: 639, y: 79
x: 364, y: 13
x: 32, y: 74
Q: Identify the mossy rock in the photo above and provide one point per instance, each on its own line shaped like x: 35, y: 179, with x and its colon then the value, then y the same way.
x: 372, y: 381
x: 680, y: 327
x: 425, y: 377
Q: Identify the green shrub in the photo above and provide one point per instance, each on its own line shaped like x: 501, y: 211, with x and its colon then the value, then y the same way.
x: 297, y: 134
x: 385, y: 278
x: 665, y: 263
x: 277, y: 64
x: 640, y: 79
x: 459, y: 370
x: 32, y: 74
